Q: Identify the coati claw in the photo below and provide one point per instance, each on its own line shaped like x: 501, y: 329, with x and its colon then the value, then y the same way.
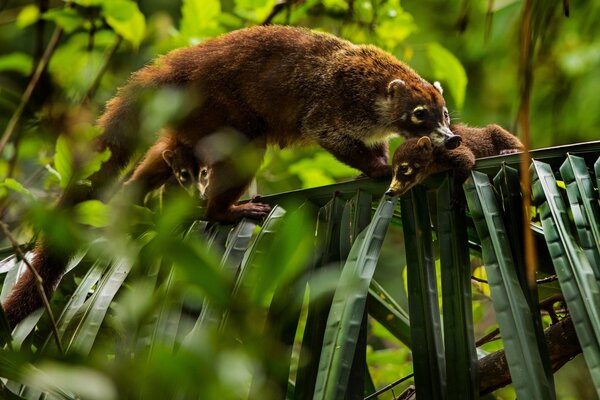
x: 509, y: 151
x: 251, y: 210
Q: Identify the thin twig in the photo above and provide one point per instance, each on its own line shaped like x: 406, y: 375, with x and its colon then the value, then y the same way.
x: 277, y: 8
x: 389, y: 387
x: 94, y: 86
x: 41, y: 67
x: 38, y: 282
x: 547, y: 279
x: 487, y: 338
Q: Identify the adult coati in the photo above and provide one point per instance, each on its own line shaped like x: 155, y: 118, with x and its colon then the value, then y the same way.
x: 246, y: 89
x: 416, y: 159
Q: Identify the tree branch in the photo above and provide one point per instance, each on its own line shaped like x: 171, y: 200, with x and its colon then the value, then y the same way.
x: 41, y: 67
x: 562, y: 346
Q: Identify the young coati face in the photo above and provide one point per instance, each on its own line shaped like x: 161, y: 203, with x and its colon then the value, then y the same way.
x: 410, y: 164
x: 419, y: 109
x: 187, y: 171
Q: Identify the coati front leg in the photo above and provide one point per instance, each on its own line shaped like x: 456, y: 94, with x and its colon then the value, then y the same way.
x: 228, y: 178
x: 372, y: 160
x: 461, y: 160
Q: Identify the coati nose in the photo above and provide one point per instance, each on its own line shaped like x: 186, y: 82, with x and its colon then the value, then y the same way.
x: 452, y: 142
x: 390, y: 192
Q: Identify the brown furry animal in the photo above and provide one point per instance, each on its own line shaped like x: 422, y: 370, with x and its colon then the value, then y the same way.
x: 244, y: 90
x: 416, y: 159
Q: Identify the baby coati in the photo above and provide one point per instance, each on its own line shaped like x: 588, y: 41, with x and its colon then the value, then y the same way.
x: 416, y: 159
x: 246, y: 89
x: 186, y: 170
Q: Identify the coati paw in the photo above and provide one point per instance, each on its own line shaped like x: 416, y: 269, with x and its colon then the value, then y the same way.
x: 235, y: 213
x: 383, y: 171
x: 251, y: 210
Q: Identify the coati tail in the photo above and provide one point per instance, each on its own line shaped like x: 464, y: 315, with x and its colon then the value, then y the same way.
x: 120, y: 127
x: 24, y: 297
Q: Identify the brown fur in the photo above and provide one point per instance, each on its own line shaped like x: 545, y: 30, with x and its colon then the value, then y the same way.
x: 244, y: 90
x: 416, y: 159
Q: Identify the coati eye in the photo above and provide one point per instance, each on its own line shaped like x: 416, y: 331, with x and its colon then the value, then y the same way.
x: 184, y: 175
x: 419, y: 114
x: 204, y: 173
x: 405, y: 169
x: 446, y: 116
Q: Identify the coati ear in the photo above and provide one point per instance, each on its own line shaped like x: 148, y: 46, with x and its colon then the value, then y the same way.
x: 424, y: 143
x: 168, y: 156
x: 395, y: 86
x: 438, y: 86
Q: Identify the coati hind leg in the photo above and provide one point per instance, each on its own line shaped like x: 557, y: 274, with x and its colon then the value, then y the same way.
x: 371, y: 160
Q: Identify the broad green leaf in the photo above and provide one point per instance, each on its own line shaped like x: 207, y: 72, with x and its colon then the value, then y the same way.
x: 512, y: 310
x: 62, y: 378
x: 87, y: 325
x: 18, y: 62
x: 93, y: 165
x: 384, y: 309
x: 328, y: 261
x: 455, y: 266
x: 93, y: 213
x: 254, y: 10
x: 573, y: 269
x: 90, y: 3
x: 200, y: 18
x: 27, y: 16
x: 347, y: 309
x: 64, y: 164
x: 66, y: 18
x: 424, y: 313
x: 63, y: 161
x: 15, y: 185
x: 448, y: 69
x: 126, y: 19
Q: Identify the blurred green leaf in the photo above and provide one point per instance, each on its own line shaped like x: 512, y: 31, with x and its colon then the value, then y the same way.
x: 63, y: 161
x: 17, y: 61
x: 14, y: 185
x: 447, y: 68
x: 93, y: 165
x: 61, y: 378
x: 93, y: 213
x: 126, y: 19
x: 254, y: 10
x: 199, y: 18
x: 66, y: 18
x: 28, y: 15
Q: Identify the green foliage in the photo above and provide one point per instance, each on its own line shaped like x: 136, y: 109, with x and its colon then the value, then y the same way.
x: 155, y: 310
x: 200, y: 19
x: 447, y: 68
x: 19, y: 62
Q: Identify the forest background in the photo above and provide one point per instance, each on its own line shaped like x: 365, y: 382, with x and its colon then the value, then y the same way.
x: 472, y: 47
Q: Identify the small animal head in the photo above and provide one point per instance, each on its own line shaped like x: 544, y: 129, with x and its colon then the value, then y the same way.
x: 410, y: 164
x: 187, y: 171
x: 418, y: 109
